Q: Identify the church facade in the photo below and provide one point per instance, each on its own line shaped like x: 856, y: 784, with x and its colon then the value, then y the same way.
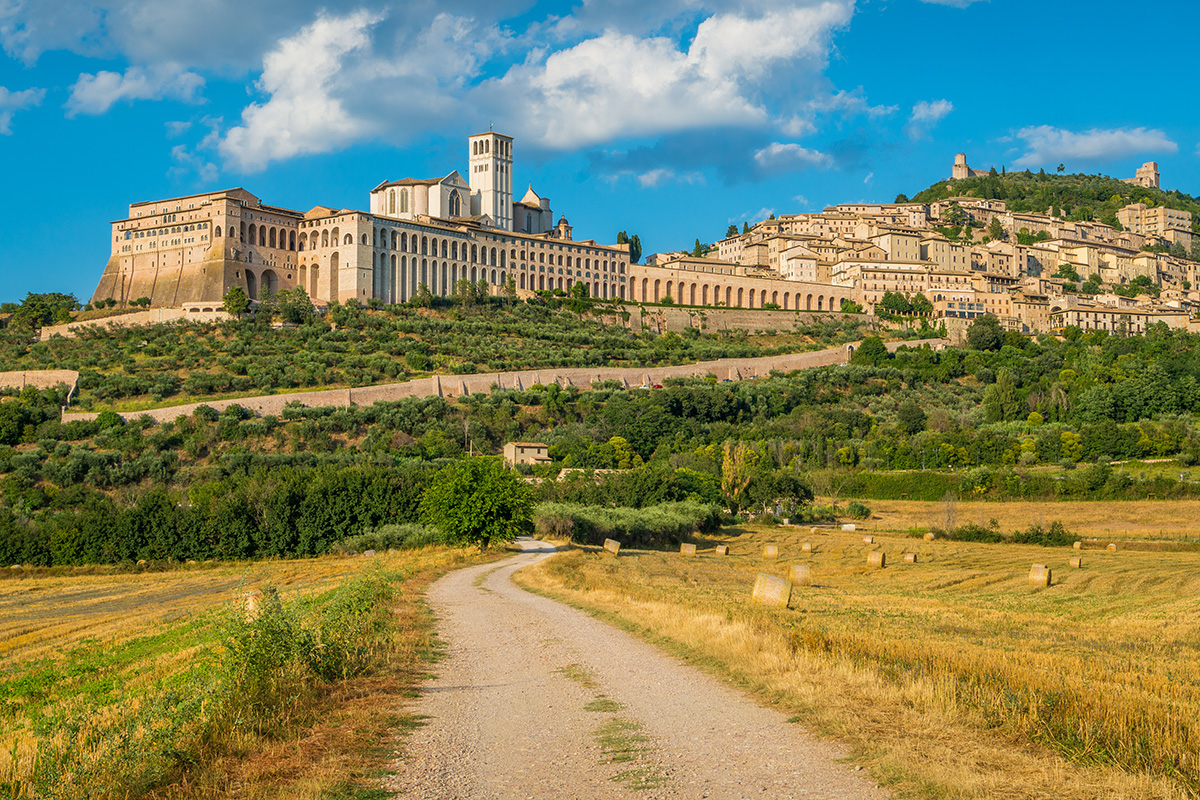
x: 432, y: 233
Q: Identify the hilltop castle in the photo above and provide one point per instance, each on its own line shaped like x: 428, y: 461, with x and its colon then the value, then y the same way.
x: 434, y: 232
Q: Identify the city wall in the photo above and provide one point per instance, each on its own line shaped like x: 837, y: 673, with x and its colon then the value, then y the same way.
x: 153, y: 316
x: 709, y: 319
x: 450, y: 386
x: 40, y: 379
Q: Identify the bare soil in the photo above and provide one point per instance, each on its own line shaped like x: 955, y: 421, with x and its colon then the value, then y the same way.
x: 538, y: 700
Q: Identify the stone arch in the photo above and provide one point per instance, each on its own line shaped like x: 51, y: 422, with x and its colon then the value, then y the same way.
x: 270, y: 282
x: 820, y: 302
x: 217, y: 230
x: 253, y: 233
x: 251, y: 285
x: 314, y: 278
x: 808, y: 303
x: 739, y: 297
x: 292, y: 240
x: 271, y: 238
x: 349, y: 239
x: 333, y: 277
x: 324, y: 238
x: 728, y: 296
x: 751, y: 299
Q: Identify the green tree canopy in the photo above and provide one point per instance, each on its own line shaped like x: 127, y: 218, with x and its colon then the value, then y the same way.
x: 477, y: 501
x: 985, y: 333
x: 237, y: 302
x: 872, y: 351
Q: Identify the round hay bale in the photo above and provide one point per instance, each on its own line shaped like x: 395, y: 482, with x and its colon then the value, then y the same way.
x: 770, y: 551
x: 687, y: 549
x: 806, y: 547
x: 1078, y: 545
x: 812, y: 531
x: 849, y: 526
x: 929, y: 537
x: 722, y: 549
x: 1112, y: 548
x: 910, y: 558
x: 868, y: 540
x: 800, y: 574
x: 1040, y: 575
x: 876, y: 559
x: 1077, y: 562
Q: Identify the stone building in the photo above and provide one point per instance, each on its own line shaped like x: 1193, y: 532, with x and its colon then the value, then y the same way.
x: 432, y: 232
x: 1146, y: 175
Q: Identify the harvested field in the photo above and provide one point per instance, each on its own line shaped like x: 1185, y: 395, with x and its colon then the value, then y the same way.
x: 951, y: 677
x: 1166, y: 520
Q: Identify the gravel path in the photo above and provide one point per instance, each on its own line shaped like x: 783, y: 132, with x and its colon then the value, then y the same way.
x: 538, y: 700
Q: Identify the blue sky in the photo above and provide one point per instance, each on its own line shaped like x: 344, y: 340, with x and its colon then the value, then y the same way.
x: 667, y: 119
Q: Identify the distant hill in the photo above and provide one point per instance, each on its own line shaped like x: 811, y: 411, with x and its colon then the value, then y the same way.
x: 1075, y: 197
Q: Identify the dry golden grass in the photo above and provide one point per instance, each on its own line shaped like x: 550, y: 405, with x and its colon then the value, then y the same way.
x: 1171, y: 520
x: 71, y: 641
x: 951, y: 677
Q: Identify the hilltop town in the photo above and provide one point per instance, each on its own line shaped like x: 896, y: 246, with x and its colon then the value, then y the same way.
x: 954, y: 258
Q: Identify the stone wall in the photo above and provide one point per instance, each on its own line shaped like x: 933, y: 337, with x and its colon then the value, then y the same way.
x: 450, y: 386
x: 39, y: 379
x: 707, y: 319
x: 153, y: 316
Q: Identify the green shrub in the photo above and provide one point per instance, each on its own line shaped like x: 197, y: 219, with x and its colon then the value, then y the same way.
x: 387, y: 537
x: 664, y: 524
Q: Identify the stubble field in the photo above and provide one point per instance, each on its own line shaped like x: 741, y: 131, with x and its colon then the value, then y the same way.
x: 118, y: 685
x: 951, y: 677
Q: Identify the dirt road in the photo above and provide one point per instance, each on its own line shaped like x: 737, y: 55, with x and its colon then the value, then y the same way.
x: 539, y: 700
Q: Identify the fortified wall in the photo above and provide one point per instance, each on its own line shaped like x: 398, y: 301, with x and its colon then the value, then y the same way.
x: 450, y: 386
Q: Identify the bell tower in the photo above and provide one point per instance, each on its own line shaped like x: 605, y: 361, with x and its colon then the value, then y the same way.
x: 490, y: 159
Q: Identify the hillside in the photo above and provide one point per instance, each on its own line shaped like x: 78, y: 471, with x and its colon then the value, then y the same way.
x: 1075, y: 197
x: 141, y: 367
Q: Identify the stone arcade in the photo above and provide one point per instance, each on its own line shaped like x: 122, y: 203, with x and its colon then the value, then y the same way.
x: 436, y: 232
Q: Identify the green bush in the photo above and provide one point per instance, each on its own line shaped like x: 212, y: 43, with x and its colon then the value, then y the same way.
x: 386, y: 537
x: 664, y: 524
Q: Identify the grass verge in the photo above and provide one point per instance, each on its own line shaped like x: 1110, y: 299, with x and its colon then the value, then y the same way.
x: 297, y: 700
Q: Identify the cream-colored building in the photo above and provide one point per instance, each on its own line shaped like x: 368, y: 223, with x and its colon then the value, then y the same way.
x: 430, y: 233
x: 1146, y: 175
x: 526, y: 453
x: 1166, y: 223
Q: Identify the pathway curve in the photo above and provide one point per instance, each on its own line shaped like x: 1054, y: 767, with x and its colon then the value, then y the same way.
x: 539, y: 700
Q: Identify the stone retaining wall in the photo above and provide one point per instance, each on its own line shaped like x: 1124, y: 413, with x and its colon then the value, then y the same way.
x: 456, y: 385
x: 40, y: 379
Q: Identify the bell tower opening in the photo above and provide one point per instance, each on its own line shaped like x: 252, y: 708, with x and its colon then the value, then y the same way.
x: 490, y: 178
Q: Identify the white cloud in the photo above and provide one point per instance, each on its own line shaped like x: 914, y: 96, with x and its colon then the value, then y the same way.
x: 838, y: 104
x: 925, y: 115
x: 96, y: 94
x: 1047, y: 145
x: 787, y: 156
x: 661, y: 175
x: 187, y: 163
x: 952, y: 3
x: 870, y: 177
x: 304, y: 113
x: 12, y: 102
x: 619, y: 84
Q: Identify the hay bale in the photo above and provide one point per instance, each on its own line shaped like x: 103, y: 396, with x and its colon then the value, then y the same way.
x: 687, y: 549
x: 868, y: 540
x: 812, y: 531
x: 770, y: 551
x: 1112, y: 548
x: 800, y: 574
x: 722, y: 549
x: 910, y: 558
x: 849, y: 526
x: 771, y: 591
x: 876, y: 559
x: 1040, y: 575
x: 929, y: 537
x: 1078, y: 545
x: 806, y: 547
x: 1077, y: 562
x: 612, y: 546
